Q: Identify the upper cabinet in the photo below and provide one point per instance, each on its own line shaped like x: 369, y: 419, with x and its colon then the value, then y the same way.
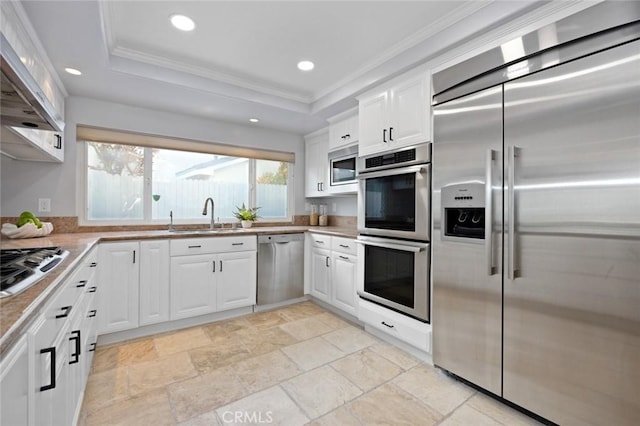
x: 395, y: 115
x: 32, y: 95
x: 343, y: 130
x: 316, y: 164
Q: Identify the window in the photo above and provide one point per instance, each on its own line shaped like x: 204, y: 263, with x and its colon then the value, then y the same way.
x: 132, y: 184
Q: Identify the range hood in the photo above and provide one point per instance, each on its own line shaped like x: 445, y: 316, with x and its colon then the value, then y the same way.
x: 22, y: 102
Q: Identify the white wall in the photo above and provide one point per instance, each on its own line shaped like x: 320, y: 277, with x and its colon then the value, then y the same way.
x: 23, y: 182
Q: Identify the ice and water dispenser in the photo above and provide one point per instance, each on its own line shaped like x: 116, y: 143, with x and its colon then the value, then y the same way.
x: 463, y: 210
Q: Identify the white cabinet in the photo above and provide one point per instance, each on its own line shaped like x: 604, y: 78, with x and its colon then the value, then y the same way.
x: 28, y: 62
x: 395, y: 115
x: 343, y: 130
x: 154, y: 281
x: 21, y: 143
x: 343, y: 281
x: 236, y: 284
x: 193, y: 285
x: 321, y: 273
x: 14, y: 385
x: 332, y: 264
x: 119, y: 285
x: 212, y: 274
x: 317, y: 164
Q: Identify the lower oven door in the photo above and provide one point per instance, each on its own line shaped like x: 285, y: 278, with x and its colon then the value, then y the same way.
x: 395, y: 273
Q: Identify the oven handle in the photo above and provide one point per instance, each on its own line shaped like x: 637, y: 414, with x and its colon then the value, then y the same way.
x: 392, y: 246
x: 392, y: 172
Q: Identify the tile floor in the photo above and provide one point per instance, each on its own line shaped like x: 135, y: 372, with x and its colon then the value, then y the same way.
x: 293, y: 366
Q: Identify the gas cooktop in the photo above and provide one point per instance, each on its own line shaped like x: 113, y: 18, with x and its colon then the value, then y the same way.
x: 21, y: 268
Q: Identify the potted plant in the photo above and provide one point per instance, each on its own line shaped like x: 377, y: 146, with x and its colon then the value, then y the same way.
x: 246, y: 215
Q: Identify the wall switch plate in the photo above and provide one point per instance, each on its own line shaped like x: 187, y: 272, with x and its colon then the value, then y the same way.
x: 44, y: 205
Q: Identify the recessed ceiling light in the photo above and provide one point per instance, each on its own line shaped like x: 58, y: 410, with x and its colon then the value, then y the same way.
x: 253, y: 120
x: 305, y: 65
x: 73, y: 71
x: 182, y: 22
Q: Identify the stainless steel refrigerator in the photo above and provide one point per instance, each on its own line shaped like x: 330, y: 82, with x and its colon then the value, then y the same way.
x: 536, y: 208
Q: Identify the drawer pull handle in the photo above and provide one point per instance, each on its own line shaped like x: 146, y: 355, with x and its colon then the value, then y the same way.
x: 344, y: 257
x: 344, y: 246
x: 76, y: 337
x: 65, y: 314
x: 81, y: 283
x: 93, y: 265
x: 237, y: 244
x: 52, y: 372
x: 92, y: 289
x: 92, y: 347
x: 388, y: 325
x: 319, y: 242
x: 92, y: 313
x: 195, y: 246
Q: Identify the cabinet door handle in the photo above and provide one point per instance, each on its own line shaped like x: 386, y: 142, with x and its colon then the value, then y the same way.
x: 92, y: 289
x: 388, y: 325
x: 81, y: 283
x: 221, y: 266
x: 58, y: 142
x: 52, y: 383
x: 65, y: 314
x: 92, y: 313
x: 195, y: 246
x: 237, y: 244
x: 134, y: 256
x: 93, y: 265
x: 92, y: 347
x: 390, y: 137
x: 384, y: 135
x: 343, y: 257
x: 326, y: 262
x: 214, y: 265
x: 318, y: 186
x: 77, y: 354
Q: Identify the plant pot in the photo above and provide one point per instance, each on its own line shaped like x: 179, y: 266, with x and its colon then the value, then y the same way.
x: 247, y: 224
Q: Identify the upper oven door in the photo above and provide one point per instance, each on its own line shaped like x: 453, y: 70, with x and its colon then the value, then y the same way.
x: 395, y: 202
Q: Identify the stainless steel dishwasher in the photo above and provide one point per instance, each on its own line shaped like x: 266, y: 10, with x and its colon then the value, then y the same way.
x: 280, y: 268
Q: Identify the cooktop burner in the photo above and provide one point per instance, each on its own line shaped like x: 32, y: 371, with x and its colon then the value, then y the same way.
x: 21, y: 268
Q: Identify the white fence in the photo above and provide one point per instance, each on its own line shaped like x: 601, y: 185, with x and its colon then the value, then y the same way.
x: 115, y: 197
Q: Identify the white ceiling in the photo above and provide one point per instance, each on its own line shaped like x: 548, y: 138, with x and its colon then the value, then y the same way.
x: 240, y: 61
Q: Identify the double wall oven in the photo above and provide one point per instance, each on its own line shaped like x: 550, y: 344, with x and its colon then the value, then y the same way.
x: 394, y: 229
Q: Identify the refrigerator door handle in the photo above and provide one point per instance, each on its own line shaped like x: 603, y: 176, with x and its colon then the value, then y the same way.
x: 513, y: 153
x: 488, y: 217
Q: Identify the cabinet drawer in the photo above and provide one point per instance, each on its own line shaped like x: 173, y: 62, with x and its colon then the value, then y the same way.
x: 191, y: 246
x: 343, y: 245
x: 413, y: 332
x: 320, y: 241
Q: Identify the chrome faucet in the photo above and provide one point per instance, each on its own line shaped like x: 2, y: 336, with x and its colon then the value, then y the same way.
x: 204, y: 212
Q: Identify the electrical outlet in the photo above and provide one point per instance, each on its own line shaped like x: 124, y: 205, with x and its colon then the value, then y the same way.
x: 44, y: 205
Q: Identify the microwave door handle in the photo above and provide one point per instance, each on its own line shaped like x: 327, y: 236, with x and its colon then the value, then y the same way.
x: 392, y: 246
x: 392, y: 172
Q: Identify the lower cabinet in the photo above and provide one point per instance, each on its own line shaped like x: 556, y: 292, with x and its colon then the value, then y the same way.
x: 42, y: 378
x: 154, y: 281
x: 212, y: 274
x: 332, y: 263
x: 119, y: 283
x: 14, y: 385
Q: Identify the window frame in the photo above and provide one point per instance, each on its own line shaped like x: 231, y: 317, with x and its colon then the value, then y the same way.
x: 83, y: 199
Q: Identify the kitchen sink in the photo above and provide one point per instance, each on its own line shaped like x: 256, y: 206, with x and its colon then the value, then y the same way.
x: 207, y: 231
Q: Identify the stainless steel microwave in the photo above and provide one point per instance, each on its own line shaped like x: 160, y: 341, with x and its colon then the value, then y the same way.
x: 342, y: 166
